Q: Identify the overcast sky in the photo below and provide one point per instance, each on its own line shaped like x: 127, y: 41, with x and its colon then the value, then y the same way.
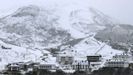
x: 121, y: 10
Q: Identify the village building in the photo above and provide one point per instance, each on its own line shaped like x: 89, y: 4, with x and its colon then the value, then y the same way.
x: 131, y: 65
x: 117, y: 64
x: 131, y: 53
x: 94, y: 61
x: 54, y: 51
x: 119, y: 60
x: 95, y: 65
x: 122, y: 57
x: 80, y: 65
x: 22, y: 65
x: 13, y: 67
x: 65, y: 58
x: 42, y: 65
x: 46, y: 66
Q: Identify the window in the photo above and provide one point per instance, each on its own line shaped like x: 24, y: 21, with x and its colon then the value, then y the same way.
x: 69, y: 57
x: 62, y: 58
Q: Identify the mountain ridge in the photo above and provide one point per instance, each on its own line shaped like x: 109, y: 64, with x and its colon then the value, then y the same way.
x: 37, y: 29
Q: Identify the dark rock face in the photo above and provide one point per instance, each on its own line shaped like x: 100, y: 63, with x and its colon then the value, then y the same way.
x: 119, y: 36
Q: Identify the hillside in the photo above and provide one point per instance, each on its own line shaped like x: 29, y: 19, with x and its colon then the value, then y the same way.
x: 119, y: 36
x: 32, y: 30
x: 32, y: 26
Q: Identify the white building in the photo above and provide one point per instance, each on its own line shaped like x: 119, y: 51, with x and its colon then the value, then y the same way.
x: 44, y: 66
x: 117, y: 64
x: 119, y: 60
x: 65, y: 58
x: 47, y: 66
x: 94, y: 61
x: 122, y: 57
x: 81, y: 65
x: 95, y: 65
x: 13, y: 67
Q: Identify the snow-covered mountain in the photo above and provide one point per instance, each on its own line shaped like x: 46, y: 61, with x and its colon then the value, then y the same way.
x: 33, y: 26
x: 32, y: 29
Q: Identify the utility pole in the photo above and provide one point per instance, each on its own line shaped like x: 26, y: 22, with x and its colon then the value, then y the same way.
x: 78, y: 67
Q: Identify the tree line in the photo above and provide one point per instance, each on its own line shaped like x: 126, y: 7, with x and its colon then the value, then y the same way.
x: 101, y: 71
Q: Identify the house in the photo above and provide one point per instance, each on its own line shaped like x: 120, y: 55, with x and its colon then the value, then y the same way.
x: 65, y: 58
x: 33, y: 65
x: 23, y: 65
x: 116, y: 64
x: 80, y: 65
x: 42, y: 66
x: 95, y: 65
x: 17, y: 66
x: 94, y: 62
x: 47, y: 66
x: 119, y: 60
x: 13, y: 67
x: 131, y: 65
x: 123, y: 57
x: 131, y: 51
x: 54, y: 51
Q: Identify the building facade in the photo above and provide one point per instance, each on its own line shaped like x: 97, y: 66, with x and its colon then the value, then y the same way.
x: 117, y: 64
x: 47, y: 67
x: 94, y: 61
x: 65, y: 59
x: 13, y: 67
x: 94, y: 58
x: 81, y: 65
x: 119, y: 60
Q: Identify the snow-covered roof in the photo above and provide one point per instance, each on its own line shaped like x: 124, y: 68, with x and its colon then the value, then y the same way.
x: 80, y: 58
x: 14, y: 65
x: 45, y: 51
x: 65, y: 53
x: 46, y: 63
x: 94, y: 55
x: 81, y: 62
x: 120, y: 60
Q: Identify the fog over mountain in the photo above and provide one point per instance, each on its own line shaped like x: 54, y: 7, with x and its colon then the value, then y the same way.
x: 35, y: 26
x: 32, y: 31
x: 118, y: 9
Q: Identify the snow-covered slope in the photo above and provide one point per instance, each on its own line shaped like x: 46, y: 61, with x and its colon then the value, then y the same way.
x: 32, y: 26
x: 10, y: 54
x: 32, y: 29
x: 82, y: 21
x: 90, y: 46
